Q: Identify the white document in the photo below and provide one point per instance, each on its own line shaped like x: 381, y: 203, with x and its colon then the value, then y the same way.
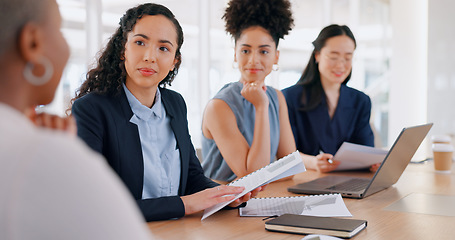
x: 354, y: 156
x: 327, y: 205
x: 284, y: 167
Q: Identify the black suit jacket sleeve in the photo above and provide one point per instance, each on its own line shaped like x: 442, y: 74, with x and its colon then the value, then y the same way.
x: 103, y: 123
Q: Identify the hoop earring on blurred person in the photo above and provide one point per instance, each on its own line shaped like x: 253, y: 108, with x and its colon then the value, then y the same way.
x: 44, y: 78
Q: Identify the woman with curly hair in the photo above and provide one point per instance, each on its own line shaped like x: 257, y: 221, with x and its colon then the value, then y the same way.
x: 124, y: 112
x: 246, y: 126
x: 323, y: 111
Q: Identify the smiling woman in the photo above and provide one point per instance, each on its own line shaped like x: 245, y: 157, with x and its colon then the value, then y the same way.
x: 323, y: 111
x: 246, y: 126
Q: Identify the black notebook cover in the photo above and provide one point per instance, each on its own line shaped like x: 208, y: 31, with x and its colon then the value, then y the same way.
x: 302, y: 224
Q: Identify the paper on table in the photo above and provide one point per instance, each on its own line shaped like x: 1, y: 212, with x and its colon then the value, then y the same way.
x: 281, y: 168
x: 354, y: 156
x: 327, y: 205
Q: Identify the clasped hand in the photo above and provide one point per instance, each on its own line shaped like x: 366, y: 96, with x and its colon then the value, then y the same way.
x: 45, y: 120
x: 254, y: 93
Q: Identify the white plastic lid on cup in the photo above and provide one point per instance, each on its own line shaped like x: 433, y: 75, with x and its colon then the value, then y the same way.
x: 442, y: 147
x: 441, y: 138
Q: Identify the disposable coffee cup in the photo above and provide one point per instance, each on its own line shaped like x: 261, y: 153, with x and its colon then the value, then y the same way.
x: 442, y: 157
x: 441, y: 139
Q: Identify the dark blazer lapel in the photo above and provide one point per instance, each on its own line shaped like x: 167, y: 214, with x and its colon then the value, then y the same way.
x: 345, y: 111
x: 318, y: 119
x: 133, y: 171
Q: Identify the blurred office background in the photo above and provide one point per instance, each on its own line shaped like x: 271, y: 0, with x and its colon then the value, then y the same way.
x: 403, y: 57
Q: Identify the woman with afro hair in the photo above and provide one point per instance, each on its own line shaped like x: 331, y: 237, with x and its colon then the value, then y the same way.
x: 246, y: 125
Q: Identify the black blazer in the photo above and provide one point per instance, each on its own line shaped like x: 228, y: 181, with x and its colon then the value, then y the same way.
x: 104, y: 124
x: 314, y: 130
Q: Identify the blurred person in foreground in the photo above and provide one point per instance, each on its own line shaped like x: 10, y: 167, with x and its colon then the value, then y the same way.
x: 52, y: 185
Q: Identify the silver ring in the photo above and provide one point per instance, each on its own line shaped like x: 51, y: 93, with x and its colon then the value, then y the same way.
x: 253, y: 84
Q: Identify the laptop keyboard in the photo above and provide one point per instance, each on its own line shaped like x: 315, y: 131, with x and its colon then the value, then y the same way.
x: 354, y: 184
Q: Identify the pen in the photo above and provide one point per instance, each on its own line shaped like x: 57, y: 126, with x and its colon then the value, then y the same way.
x: 328, y: 160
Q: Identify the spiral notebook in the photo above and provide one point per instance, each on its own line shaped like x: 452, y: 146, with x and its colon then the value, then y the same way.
x: 325, y: 205
x: 281, y: 168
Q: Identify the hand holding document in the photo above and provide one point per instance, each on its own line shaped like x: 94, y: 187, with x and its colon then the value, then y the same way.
x: 354, y: 156
x: 284, y: 167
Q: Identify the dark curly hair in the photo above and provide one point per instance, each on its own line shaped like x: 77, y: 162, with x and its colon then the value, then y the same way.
x: 311, y: 77
x: 273, y: 15
x: 109, y: 74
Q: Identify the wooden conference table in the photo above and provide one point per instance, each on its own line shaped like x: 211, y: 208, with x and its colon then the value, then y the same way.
x: 382, y: 223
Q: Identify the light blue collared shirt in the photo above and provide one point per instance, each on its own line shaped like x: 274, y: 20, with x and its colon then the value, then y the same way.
x: 159, y: 148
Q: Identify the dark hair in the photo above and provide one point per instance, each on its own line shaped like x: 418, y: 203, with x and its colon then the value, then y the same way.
x: 311, y: 79
x: 273, y: 15
x: 107, y: 77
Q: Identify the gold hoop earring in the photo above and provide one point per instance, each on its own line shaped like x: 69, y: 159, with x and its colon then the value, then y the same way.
x: 39, y: 80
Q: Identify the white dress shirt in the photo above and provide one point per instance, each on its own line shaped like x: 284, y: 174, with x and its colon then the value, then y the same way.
x: 159, y: 147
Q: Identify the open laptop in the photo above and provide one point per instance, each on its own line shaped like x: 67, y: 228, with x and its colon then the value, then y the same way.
x: 387, y: 174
